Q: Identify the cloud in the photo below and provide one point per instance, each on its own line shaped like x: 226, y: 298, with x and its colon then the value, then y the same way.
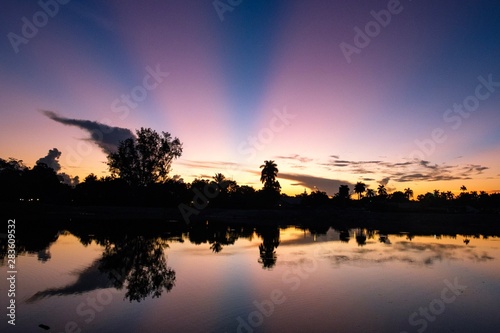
x: 295, y: 157
x: 106, y: 137
x: 51, y: 159
x: 384, y: 181
x: 407, y: 171
x: 330, y: 186
x: 219, y: 166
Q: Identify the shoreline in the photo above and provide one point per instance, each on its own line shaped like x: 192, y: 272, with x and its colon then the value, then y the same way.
x: 165, y: 218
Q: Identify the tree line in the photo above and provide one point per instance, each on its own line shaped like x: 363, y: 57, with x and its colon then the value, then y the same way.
x: 140, y: 175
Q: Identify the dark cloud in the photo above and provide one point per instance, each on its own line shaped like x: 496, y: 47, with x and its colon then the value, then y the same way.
x: 407, y: 171
x: 51, y: 159
x: 384, y: 181
x: 330, y: 186
x: 106, y: 137
x: 67, y: 179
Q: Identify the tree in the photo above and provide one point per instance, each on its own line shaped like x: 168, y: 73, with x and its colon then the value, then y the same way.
x: 359, y: 188
x: 398, y: 196
x: 382, y: 191
x: 344, y: 192
x: 463, y: 188
x: 268, y: 176
x: 408, y: 193
x: 145, y: 159
x: 370, y: 193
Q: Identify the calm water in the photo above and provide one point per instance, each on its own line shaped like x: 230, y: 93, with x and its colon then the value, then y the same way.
x: 230, y: 279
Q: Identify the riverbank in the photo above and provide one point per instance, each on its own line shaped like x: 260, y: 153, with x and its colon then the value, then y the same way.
x: 153, y: 217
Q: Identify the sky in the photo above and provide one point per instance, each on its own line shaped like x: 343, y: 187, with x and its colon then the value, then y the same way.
x: 399, y: 93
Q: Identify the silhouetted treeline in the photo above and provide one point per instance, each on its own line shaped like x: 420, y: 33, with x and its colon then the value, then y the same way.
x: 41, y: 184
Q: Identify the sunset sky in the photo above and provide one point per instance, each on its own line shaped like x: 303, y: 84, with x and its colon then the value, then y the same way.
x: 334, y: 92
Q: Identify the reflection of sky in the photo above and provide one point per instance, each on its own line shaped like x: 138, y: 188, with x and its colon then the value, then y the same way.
x: 326, y: 283
x: 226, y: 78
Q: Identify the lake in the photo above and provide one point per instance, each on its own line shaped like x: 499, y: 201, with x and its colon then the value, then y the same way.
x: 223, y: 278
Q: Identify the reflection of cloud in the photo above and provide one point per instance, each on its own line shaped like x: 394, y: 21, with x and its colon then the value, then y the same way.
x: 421, y: 254
x: 106, y: 137
x: 88, y: 280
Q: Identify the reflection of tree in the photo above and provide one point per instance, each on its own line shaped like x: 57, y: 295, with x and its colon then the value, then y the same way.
x: 217, y: 235
x: 270, y: 241
x: 344, y: 236
x: 360, y: 237
x: 216, y: 247
x: 140, y: 265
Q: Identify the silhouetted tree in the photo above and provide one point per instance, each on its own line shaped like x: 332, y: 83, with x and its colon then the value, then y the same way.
x: 408, y: 193
x: 370, y: 193
x: 382, y: 191
x: 145, y: 159
x: 344, y: 192
x: 268, y: 176
x: 359, y: 188
x: 398, y: 196
x: 11, y: 179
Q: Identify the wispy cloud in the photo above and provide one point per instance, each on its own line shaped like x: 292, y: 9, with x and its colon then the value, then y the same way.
x: 407, y: 171
x: 106, y: 137
x: 221, y: 166
x: 294, y: 157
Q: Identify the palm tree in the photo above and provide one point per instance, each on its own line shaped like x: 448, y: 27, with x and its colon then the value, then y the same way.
x: 370, y: 193
x: 463, y: 188
x: 382, y: 191
x: 219, y: 178
x: 359, y: 188
x: 408, y: 193
x: 269, y: 174
x: 343, y: 192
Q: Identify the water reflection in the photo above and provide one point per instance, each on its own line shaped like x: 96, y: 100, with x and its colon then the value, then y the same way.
x: 88, y: 279
x: 138, y: 264
x: 270, y: 241
x: 360, y: 237
x: 386, y: 269
x: 217, y: 235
